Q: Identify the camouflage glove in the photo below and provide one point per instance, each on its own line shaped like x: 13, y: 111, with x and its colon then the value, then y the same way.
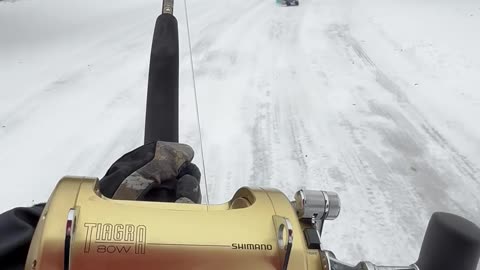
x: 159, y: 171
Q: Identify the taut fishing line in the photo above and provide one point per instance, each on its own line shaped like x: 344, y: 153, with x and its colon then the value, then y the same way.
x: 196, y: 101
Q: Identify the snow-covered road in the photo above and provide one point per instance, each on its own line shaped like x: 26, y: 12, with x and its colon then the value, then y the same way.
x: 375, y: 99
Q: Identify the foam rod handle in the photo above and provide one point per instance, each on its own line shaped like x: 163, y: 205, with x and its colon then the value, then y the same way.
x: 450, y: 243
x: 161, y: 121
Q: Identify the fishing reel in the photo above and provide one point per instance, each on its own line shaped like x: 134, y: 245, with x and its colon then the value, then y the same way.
x: 257, y: 229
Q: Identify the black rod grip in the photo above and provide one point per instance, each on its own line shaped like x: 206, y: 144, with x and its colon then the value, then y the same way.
x: 450, y: 243
x: 161, y: 120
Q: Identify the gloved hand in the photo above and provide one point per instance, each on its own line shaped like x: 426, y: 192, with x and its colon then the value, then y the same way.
x: 160, y: 171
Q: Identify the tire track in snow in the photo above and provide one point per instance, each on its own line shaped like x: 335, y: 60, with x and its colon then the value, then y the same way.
x: 262, y: 133
x: 364, y: 173
x: 284, y: 32
x: 267, y: 124
x: 297, y: 138
x: 298, y: 135
x: 262, y: 147
x: 410, y: 140
x: 462, y: 163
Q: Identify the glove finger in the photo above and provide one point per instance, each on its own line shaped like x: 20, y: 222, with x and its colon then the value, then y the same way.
x: 188, y: 187
x: 140, y: 173
x: 169, y: 159
x: 124, y: 167
x: 191, y: 169
x: 160, y: 192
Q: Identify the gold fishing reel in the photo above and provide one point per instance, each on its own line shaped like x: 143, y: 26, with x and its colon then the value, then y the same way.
x: 257, y: 229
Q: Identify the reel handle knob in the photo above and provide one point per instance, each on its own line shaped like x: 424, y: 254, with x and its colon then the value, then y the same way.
x: 450, y: 243
x: 317, y: 204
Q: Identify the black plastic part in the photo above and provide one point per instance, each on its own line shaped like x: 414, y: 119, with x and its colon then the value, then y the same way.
x: 161, y: 121
x: 450, y: 243
x: 66, y: 253
x: 313, y: 240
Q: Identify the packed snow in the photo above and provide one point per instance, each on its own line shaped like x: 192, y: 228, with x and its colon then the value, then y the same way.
x: 375, y: 99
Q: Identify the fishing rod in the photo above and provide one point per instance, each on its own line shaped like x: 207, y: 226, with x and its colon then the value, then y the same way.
x: 161, y: 120
x: 259, y: 228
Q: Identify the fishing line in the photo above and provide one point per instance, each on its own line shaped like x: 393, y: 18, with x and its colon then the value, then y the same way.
x: 196, y: 101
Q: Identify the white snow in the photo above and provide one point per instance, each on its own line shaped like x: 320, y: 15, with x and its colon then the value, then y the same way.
x: 377, y: 100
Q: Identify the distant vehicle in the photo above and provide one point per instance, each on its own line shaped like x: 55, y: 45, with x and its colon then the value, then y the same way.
x: 288, y: 2
x: 292, y: 2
